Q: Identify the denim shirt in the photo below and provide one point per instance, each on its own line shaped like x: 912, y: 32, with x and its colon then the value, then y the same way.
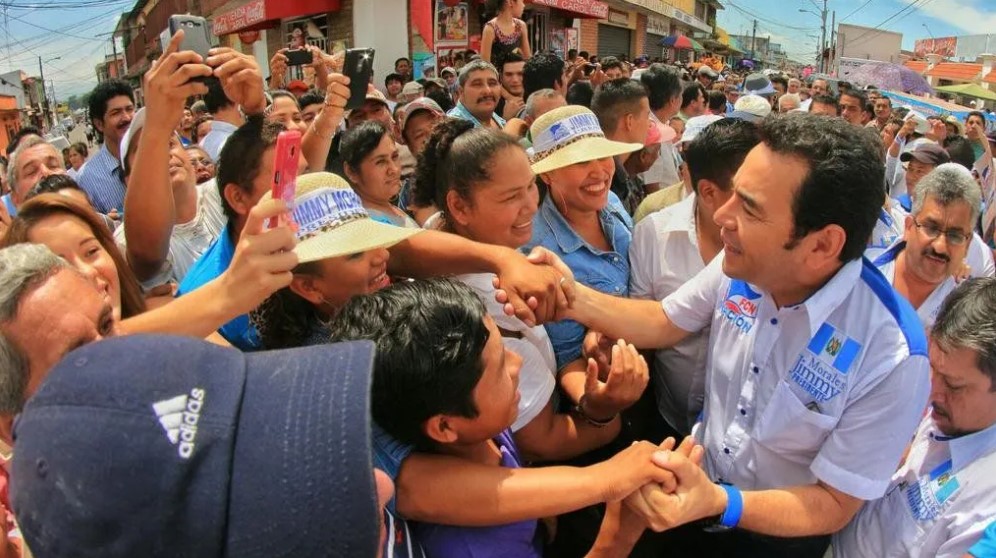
x: 461, y: 112
x: 607, y: 272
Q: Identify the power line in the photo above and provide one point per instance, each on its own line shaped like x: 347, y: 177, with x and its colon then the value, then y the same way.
x: 754, y: 15
x: 856, y: 10
x: 868, y: 34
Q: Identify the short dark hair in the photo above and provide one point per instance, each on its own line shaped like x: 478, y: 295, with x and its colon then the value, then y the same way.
x: 311, y: 98
x: 241, y: 158
x: 430, y: 337
x: 442, y: 98
x: 572, y: 52
x: 103, y: 93
x: 691, y: 93
x: 509, y: 57
x: 780, y: 80
x: 843, y: 185
x: 718, y: 151
x: 960, y: 151
x: 583, y: 54
x: 580, y: 93
x: 543, y: 70
x: 663, y: 84
x: 965, y: 321
x: 24, y: 132
x: 610, y: 62
x: 716, y: 100
x: 614, y: 99
x: 855, y: 94
x: 215, y: 98
x: 826, y: 100
x: 393, y: 77
x: 977, y: 114
x: 53, y: 184
x: 360, y: 141
x: 402, y: 59
x: 457, y: 156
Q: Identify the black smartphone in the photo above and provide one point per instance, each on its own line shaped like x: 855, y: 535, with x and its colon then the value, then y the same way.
x: 358, y: 66
x: 299, y: 57
x: 196, y: 36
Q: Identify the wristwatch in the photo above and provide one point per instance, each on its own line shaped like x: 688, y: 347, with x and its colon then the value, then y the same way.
x: 579, y: 409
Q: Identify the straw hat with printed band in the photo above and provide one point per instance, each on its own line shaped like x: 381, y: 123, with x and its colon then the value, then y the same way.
x: 569, y: 135
x: 332, y: 222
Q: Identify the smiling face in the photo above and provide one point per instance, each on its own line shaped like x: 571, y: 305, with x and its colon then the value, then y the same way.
x: 339, y: 279
x: 70, y: 238
x: 500, y: 211
x: 480, y: 94
x: 582, y: 187
x: 202, y: 164
x: 757, y: 222
x: 934, y: 260
x: 117, y: 119
x: 511, y: 77
x: 286, y: 111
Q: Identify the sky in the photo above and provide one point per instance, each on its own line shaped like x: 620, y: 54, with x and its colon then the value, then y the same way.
x: 799, y: 32
x: 77, y: 32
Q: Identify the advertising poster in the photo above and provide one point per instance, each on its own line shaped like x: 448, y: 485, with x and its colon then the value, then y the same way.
x: 451, y: 24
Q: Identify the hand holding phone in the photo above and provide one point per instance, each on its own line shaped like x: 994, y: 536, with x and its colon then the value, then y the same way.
x: 284, y: 185
x: 196, y: 36
x: 299, y: 57
x: 358, y: 66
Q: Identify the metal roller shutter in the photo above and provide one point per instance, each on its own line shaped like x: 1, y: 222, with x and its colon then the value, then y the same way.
x: 613, y: 41
x: 654, y: 48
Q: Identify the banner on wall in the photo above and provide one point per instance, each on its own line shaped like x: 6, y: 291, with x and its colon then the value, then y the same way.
x: 452, y: 24
x: 945, y: 46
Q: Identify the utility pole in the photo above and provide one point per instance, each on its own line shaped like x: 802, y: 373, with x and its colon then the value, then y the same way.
x: 41, y: 71
x: 832, y: 54
x: 753, y: 38
x: 55, y: 101
x: 114, y: 48
x: 823, y: 35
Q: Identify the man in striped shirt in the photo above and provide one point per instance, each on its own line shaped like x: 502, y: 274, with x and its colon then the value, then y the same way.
x: 112, y: 107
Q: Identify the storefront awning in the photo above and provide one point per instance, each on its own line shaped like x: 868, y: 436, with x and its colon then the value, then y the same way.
x: 242, y: 15
x: 582, y: 8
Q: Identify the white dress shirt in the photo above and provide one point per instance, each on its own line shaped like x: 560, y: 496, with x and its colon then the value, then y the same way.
x: 663, y: 256
x: 888, y: 229
x: 927, y: 312
x: 830, y: 389
x: 938, y: 504
x: 215, y: 140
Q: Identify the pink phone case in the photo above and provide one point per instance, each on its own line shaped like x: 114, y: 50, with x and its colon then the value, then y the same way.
x: 284, y: 185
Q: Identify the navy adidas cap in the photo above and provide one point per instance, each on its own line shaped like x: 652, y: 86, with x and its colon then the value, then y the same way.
x: 169, y: 446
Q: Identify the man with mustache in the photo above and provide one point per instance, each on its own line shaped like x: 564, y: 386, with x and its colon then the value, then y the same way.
x: 479, y: 94
x: 922, y: 267
x: 112, y: 107
x: 943, y: 495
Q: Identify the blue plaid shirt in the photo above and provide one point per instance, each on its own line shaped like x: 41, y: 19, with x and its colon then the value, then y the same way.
x: 101, y: 177
x: 461, y: 112
x: 607, y: 272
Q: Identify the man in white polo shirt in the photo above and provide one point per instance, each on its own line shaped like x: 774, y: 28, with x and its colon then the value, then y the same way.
x: 923, y: 266
x: 817, y: 371
x: 674, y: 244
x: 944, y: 494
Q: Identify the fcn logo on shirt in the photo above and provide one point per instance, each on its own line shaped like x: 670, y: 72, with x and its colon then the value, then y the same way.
x: 740, y: 306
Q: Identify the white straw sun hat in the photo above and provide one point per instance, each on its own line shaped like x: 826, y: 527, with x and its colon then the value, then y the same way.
x: 570, y: 135
x: 332, y: 222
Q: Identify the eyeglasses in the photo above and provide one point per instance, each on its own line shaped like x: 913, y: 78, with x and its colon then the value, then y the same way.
x: 954, y: 237
x: 200, y: 162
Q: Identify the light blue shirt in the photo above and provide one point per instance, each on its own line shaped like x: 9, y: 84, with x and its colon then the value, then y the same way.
x: 215, y: 140
x: 461, y: 112
x: 218, y: 257
x: 605, y: 271
x: 101, y: 177
x: 986, y: 547
x: 11, y: 210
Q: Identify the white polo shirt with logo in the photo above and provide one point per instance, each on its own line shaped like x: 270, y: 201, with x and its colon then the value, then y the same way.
x: 830, y: 389
x: 939, y: 502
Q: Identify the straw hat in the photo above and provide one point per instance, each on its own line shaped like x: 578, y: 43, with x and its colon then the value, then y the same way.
x: 332, y: 222
x: 570, y: 135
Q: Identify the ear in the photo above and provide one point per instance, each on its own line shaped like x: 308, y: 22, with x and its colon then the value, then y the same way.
x: 304, y: 287
x: 351, y: 174
x: 98, y: 124
x: 438, y: 428
x: 706, y: 192
x: 909, y: 227
x: 458, y: 208
x: 237, y: 199
x: 7, y: 429
x: 826, y: 245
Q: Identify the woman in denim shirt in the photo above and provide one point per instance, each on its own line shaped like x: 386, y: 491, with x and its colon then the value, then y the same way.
x: 580, y: 220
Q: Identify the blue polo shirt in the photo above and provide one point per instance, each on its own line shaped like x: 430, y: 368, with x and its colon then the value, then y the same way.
x: 605, y: 271
x: 218, y: 257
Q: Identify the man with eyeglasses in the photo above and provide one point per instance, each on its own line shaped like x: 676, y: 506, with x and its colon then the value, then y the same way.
x: 924, y: 266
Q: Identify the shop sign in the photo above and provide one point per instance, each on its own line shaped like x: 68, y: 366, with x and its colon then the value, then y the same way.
x: 690, y: 20
x: 591, y: 8
x: 240, y: 17
x: 248, y: 37
x: 658, y: 25
x: 657, y: 6
x: 619, y: 18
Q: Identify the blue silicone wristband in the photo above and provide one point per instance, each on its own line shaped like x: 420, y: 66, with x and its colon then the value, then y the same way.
x: 734, y: 506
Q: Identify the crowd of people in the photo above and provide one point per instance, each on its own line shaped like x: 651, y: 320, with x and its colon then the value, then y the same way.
x: 533, y: 307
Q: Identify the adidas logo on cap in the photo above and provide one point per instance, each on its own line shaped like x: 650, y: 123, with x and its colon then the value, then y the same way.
x: 179, y: 417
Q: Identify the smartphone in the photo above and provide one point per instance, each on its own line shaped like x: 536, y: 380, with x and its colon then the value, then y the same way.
x: 359, y: 67
x: 299, y: 57
x: 284, y: 185
x: 196, y: 34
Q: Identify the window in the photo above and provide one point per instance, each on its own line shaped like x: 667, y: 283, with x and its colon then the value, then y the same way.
x: 701, y: 10
x: 536, y: 24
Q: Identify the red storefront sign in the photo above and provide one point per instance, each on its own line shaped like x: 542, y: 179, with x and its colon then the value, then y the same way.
x: 589, y: 8
x: 262, y: 14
